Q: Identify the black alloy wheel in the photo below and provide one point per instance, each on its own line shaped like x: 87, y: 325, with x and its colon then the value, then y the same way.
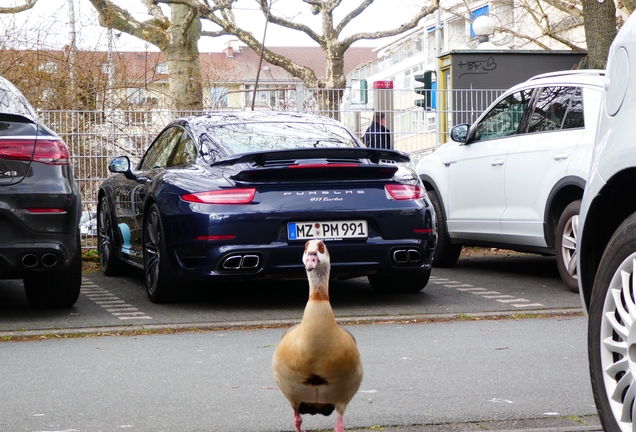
x: 111, y: 266
x: 160, y: 282
x: 446, y: 253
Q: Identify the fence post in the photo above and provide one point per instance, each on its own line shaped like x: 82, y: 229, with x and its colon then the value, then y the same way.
x: 300, y: 98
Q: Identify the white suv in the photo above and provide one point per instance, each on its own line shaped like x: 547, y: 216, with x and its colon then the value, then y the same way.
x: 515, y: 178
x: 607, y: 248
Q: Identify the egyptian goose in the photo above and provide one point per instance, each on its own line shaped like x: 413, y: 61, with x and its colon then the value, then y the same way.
x: 317, y: 364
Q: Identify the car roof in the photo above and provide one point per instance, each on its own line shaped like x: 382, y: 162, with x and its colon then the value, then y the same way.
x: 234, y: 117
x: 592, y: 77
x: 12, y: 101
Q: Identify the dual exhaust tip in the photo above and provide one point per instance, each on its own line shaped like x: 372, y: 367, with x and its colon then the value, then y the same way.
x: 241, y: 262
x: 252, y: 261
x: 47, y: 260
x: 406, y: 256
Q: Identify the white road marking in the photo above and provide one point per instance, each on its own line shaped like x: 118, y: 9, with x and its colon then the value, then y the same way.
x: 495, y: 295
x: 110, y: 302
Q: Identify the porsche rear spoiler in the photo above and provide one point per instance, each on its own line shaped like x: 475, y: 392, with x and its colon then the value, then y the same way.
x: 261, y: 158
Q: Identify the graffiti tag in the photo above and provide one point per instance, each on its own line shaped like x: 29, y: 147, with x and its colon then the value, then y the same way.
x: 477, y: 67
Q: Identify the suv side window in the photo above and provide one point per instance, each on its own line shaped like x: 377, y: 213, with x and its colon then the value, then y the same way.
x: 557, y: 108
x: 504, y: 118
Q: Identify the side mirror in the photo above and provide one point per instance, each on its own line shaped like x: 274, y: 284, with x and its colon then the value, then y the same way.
x: 459, y: 133
x: 120, y: 164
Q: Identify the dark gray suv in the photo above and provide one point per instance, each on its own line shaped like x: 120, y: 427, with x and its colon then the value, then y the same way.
x: 39, y: 206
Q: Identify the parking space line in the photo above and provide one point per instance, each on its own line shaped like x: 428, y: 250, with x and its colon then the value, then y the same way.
x: 110, y: 302
x: 495, y: 295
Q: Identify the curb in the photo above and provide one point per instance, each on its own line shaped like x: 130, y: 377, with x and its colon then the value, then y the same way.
x: 241, y: 325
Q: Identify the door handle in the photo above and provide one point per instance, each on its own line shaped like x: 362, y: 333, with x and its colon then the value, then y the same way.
x: 561, y: 156
x: 497, y: 162
x: 447, y: 164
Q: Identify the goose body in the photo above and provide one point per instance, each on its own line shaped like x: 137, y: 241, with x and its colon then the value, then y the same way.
x: 317, y: 364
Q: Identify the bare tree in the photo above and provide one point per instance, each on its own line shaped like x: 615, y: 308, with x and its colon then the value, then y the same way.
x: 600, y: 30
x: 175, y: 36
x: 28, y: 4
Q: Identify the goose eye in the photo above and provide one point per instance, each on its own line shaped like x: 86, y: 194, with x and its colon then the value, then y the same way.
x: 321, y: 247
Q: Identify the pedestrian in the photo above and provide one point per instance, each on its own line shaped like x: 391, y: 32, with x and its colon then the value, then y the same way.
x: 377, y: 135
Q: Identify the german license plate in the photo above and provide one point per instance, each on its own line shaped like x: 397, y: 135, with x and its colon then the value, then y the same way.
x: 327, y: 230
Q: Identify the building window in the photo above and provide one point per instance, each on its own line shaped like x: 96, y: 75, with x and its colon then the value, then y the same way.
x: 136, y: 96
x: 219, y: 97
x: 162, y: 68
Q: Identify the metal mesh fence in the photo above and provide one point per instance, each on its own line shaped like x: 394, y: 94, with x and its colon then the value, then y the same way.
x: 95, y: 137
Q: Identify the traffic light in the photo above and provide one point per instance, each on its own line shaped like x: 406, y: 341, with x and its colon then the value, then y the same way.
x: 426, y: 90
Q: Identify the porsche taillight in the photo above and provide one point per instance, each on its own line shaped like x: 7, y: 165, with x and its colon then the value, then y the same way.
x: 46, y: 151
x: 225, y: 196
x: 405, y: 192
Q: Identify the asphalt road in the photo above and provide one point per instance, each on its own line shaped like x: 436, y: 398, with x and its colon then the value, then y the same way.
x: 460, y: 375
x: 483, y: 284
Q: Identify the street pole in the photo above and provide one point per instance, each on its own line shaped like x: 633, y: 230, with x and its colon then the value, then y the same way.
x: 72, y: 49
x: 111, y: 82
x: 438, y: 96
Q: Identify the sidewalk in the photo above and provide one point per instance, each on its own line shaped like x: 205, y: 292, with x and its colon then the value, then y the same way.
x: 557, y: 424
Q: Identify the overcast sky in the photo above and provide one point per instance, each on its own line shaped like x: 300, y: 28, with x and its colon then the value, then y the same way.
x: 48, y: 22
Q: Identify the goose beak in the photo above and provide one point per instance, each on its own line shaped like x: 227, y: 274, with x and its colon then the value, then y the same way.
x: 311, y: 261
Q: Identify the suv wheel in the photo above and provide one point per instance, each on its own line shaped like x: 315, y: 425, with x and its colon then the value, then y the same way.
x: 565, y: 245
x: 612, y: 347
x: 404, y: 282
x: 56, y: 288
x: 446, y: 253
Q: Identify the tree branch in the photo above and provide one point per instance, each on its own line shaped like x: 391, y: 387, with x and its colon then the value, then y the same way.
x: 28, y: 4
x: 112, y: 16
x: 288, y: 24
x: 425, y: 11
x: 354, y: 13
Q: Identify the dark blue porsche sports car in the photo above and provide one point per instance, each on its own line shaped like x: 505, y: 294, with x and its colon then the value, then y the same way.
x: 234, y: 196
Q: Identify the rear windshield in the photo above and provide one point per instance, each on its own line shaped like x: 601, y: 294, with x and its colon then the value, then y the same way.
x: 252, y: 137
x: 12, y: 101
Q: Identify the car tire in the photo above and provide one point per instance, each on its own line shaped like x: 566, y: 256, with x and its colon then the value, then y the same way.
x: 56, y: 288
x: 402, y: 282
x: 610, y: 330
x: 111, y: 266
x: 565, y: 245
x: 161, y: 285
x: 446, y: 253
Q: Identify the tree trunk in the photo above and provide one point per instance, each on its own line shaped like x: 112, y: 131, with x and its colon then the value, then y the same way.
x: 182, y: 55
x: 600, y: 30
x: 335, y: 81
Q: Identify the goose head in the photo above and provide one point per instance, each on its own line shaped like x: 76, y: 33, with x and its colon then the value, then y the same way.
x: 315, y: 256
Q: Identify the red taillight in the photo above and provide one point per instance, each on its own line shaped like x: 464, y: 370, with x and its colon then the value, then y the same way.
x: 324, y: 165
x: 50, y: 152
x: 423, y: 230
x: 228, y: 196
x: 45, y: 210
x: 405, y: 192
x: 216, y: 237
